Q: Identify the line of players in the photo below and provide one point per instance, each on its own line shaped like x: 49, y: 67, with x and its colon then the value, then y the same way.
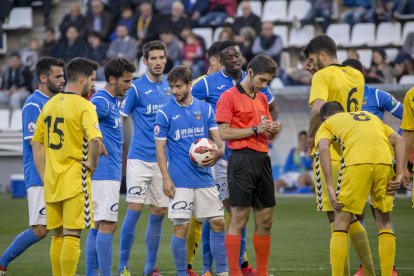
x: 144, y: 177
x: 142, y: 107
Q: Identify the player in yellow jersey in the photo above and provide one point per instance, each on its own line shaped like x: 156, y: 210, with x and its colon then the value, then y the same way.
x: 194, y: 228
x: 344, y: 84
x: 66, y: 147
x: 407, y: 126
x: 365, y: 174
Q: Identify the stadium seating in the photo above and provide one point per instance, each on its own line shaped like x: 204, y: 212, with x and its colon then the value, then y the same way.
x: 365, y: 56
x: 362, y: 34
x: 407, y: 79
x: 298, y: 9
x: 16, y: 120
x: 408, y: 28
x: 299, y: 37
x: 5, y: 118
x: 3, y: 43
x: 217, y: 33
x: 256, y: 8
x: 99, y: 85
x: 275, y: 11
x: 340, y: 33
x: 341, y: 55
x: 282, y: 31
x: 391, y: 54
x: 388, y: 33
x: 19, y: 18
x: 206, y: 34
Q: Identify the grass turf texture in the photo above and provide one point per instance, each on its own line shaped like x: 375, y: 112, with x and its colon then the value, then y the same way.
x: 300, y: 244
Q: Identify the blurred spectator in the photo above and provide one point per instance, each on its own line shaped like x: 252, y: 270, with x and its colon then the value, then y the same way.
x: 99, y: 20
x: 16, y: 82
x: 193, y: 55
x: 123, y: 46
x: 246, y: 40
x: 127, y: 19
x: 163, y: 7
x: 226, y: 34
x: 142, y: 25
x: 174, y: 54
x: 403, y: 7
x: 248, y: 19
x: 30, y: 54
x: 381, y: 11
x: 319, y: 8
x: 218, y: 11
x: 187, y: 31
x: 356, y: 12
x: 73, y: 18
x: 96, y: 51
x: 70, y: 47
x: 380, y: 71
x: 6, y: 6
x: 268, y: 43
x: 404, y: 62
x: 195, y: 9
x: 299, y: 76
x: 297, y: 172
x: 176, y: 22
x: 49, y: 42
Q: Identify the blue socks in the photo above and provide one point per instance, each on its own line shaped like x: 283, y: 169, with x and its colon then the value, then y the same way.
x: 179, y: 251
x: 205, y: 241
x: 104, y: 251
x: 243, y: 245
x: 128, y: 233
x: 152, y: 238
x: 91, y: 255
x: 23, y: 241
x: 218, y: 250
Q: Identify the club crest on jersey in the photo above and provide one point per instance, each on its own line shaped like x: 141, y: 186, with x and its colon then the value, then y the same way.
x: 31, y: 126
x: 167, y: 90
x: 197, y: 115
x: 364, y: 101
x: 157, y: 129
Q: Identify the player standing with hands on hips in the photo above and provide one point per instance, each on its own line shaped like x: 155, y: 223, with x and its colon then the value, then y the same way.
x: 246, y: 124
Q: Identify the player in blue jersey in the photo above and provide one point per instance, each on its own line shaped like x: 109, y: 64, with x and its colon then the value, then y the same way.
x: 49, y: 72
x: 191, y: 188
x: 106, y: 181
x: 143, y: 176
x: 210, y: 89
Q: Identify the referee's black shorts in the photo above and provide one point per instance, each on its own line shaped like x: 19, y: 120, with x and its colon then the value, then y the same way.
x: 250, y: 179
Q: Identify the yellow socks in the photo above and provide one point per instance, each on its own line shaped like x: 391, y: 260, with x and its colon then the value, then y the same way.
x: 55, y: 250
x: 339, y: 247
x: 359, y: 238
x: 69, y: 256
x: 386, y: 250
x: 193, y: 238
x: 347, y: 267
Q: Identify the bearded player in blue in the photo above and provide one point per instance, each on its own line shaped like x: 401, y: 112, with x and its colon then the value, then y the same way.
x: 143, y: 176
x: 49, y: 72
x: 191, y: 188
x: 210, y: 88
x: 106, y: 181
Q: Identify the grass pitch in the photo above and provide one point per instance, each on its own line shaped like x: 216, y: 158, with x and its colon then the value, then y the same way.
x: 300, y: 244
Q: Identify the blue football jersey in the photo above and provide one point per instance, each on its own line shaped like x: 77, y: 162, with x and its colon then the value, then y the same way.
x: 143, y: 100
x: 378, y: 102
x: 110, y: 123
x: 181, y: 126
x: 31, y: 110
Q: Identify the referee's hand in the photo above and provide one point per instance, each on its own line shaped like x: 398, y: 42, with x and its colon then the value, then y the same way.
x: 168, y: 188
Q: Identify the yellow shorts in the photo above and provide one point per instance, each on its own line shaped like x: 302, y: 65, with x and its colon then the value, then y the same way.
x: 323, y: 203
x: 71, y: 213
x: 359, y: 181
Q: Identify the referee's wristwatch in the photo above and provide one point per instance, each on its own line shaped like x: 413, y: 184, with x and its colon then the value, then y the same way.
x: 255, y: 131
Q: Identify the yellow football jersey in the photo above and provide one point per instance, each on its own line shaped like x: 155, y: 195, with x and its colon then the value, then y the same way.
x: 65, y: 126
x: 408, y: 116
x: 363, y: 137
x: 343, y: 84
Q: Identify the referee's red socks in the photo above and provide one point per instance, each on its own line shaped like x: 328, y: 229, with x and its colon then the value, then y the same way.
x: 262, y: 248
x: 232, y: 243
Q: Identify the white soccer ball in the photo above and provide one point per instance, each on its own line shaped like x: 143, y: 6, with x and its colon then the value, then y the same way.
x: 199, y: 150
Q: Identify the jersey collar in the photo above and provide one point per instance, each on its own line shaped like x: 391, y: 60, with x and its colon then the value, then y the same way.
x: 242, y: 91
x: 146, y: 75
x: 38, y: 91
x: 184, y: 106
x: 102, y: 89
x: 243, y: 74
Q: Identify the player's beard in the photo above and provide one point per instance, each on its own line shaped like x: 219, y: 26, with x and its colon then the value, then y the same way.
x: 85, y: 90
x: 53, y: 89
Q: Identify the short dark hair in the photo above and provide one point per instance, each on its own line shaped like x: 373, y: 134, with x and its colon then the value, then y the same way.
x: 320, y: 43
x: 78, y: 67
x: 44, y: 65
x: 117, y: 66
x: 15, y: 54
x: 50, y: 29
x: 302, y: 132
x: 180, y: 73
x: 225, y: 45
x: 214, y: 50
x: 354, y: 63
x: 154, y: 45
x: 329, y: 109
x: 262, y: 64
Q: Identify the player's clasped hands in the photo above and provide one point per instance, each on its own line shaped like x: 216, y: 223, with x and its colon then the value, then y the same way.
x: 216, y: 155
x: 394, y: 184
x: 168, y: 188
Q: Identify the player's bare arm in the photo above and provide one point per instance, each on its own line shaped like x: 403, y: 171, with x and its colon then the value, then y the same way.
x: 39, y: 158
x: 315, y: 121
x: 399, y: 148
x: 325, y: 157
x: 94, y: 153
x: 274, y: 110
x: 217, y: 153
x: 167, y: 184
x: 409, y: 141
x: 230, y: 133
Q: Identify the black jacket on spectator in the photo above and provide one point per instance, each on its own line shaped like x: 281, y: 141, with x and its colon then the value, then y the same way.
x: 78, y: 22
x: 166, y: 23
x: 67, y: 52
x: 106, y: 21
x: 98, y: 54
x: 251, y: 21
x: 47, y: 48
x: 21, y: 77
